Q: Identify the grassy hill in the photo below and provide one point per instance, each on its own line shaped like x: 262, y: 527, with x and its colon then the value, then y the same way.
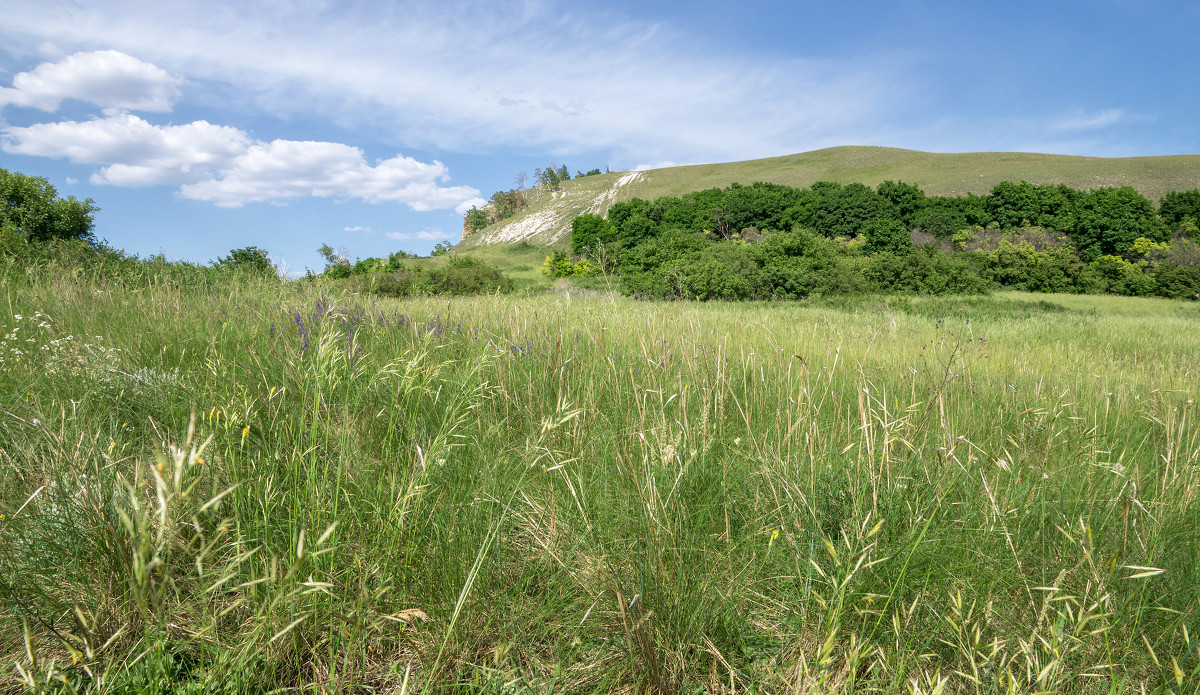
x: 547, y: 220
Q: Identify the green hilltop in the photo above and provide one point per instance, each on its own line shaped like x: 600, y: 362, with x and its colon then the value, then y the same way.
x: 547, y: 218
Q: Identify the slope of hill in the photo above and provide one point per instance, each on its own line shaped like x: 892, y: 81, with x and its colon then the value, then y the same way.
x: 547, y: 219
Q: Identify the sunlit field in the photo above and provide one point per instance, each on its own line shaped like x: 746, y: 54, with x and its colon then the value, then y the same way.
x: 258, y: 487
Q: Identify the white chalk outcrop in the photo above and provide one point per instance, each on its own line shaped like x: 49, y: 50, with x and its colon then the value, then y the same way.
x: 549, y: 221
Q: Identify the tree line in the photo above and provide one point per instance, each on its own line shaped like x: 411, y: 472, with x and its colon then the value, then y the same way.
x: 767, y: 241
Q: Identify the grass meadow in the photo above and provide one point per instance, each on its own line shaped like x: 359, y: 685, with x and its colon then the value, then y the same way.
x: 258, y: 487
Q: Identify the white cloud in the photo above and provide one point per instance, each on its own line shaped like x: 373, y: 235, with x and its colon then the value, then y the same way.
x: 47, y: 49
x: 226, y: 167
x: 444, y: 75
x: 108, y: 79
x: 1081, y: 120
x: 133, y: 151
x: 660, y: 165
x: 465, y: 206
x: 429, y: 234
x: 1055, y: 132
x: 287, y: 169
x: 358, y: 228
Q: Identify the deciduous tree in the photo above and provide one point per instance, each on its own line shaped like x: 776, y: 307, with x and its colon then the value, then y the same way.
x: 31, y: 206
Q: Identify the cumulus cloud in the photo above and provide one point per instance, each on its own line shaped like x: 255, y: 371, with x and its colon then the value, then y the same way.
x: 286, y: 169
x: 108, y: 79
x: 133, y: 151
x: 358, y: 228
x: 213, y: 163
x: 225, y: 166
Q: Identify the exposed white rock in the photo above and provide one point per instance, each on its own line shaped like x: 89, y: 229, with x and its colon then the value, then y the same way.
x: 553, y: 221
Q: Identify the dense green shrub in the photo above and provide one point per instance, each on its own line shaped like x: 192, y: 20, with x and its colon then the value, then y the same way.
x: 799, y: 264
x: 465, y: 275
x: 927, y: 270
x: 97, y: 261
x: 1111, y: 219
x: 589, y: 231
x: 793, y: 265
x: 1038, y: 238
x: 719, y: 271
x: 1179, y: 206
x: 1054, y: 269
x: 907, y: 200
x: 1177, y: 270
x: 249, y: 259
x: 887, y: 235
x: 942, y: 221
x: 1123, y: 277
x: 560, y: 265
x: 1177, y: 282
x: 400, y: 283
x: 1023, y: 204
x: 833, y: 209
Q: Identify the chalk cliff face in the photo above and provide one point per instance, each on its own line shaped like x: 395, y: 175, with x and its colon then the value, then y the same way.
x: 550, y: 221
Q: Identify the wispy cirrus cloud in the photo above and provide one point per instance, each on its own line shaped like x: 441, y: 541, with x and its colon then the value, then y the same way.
x: 1079, y: 120
x: 475, y: 75
x: 1066, y: 131
x: 545, y: 76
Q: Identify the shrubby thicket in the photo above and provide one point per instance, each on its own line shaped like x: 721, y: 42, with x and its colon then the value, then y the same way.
x: 392, y: 277
x: 768, y: 241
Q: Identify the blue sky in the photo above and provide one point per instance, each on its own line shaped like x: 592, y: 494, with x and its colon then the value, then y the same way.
x: 285, y: 124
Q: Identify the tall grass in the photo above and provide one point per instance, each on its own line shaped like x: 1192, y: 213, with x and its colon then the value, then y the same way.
x: 255, y: 487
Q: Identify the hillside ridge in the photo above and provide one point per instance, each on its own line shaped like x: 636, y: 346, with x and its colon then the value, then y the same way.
x: 547, y: 220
